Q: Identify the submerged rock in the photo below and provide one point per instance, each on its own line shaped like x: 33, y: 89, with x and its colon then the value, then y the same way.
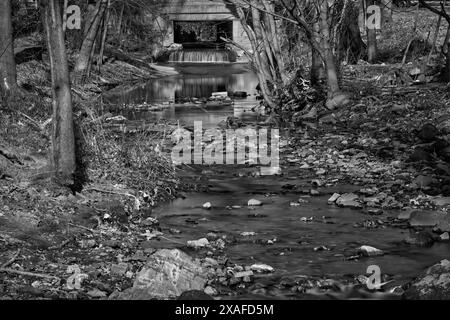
x: 433, y: 284
x: 167, y: 274
x: 421, y: 239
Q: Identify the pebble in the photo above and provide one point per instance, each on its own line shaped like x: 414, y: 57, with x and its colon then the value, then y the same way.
x: 207, y: 205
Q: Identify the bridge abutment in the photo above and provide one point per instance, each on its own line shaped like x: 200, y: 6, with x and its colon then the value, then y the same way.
x: 200, y: 11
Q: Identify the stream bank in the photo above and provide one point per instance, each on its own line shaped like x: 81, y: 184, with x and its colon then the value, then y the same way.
x: 302, y: 246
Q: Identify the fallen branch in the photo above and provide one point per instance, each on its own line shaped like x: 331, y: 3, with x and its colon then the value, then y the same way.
x: 82, y: 227
x: 40, y: 126
x: 171, y: 240
x: 29, y: 274
x: 10, y: 261
x: 110, y: 191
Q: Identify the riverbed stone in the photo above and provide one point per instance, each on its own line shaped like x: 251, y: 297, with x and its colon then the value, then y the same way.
x: 368, y: 251
x: 426, y: 218
x: 261, y: 268
x: 333, y: 198
x: 166, y: 274
x: 254, y: 203
x: 433, y: 284
x: 441, y: 201
x: 200, y: 243
x: 348, y: 200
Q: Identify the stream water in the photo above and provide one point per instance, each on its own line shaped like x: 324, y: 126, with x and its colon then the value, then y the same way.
x: 194, y: 82
x: 296, y: 231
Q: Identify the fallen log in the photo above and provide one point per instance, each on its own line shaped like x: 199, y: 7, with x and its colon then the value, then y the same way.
x: 122, y: 56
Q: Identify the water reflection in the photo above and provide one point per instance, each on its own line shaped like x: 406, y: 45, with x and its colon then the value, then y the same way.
x: 194, y: 81
x: 210, y: 117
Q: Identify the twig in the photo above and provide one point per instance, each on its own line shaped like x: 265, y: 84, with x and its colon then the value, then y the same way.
x: 30, y: 274
x: 111, y: 192
x: 174, y: 241
x: 14, y: 257
x: 82, y: 227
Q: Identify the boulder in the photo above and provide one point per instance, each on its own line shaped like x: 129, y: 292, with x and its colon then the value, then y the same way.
x: 166, y: 274
x: 441, y: 201
x: 433, y: 284
x: 424, y: 218
x: 428, y: 132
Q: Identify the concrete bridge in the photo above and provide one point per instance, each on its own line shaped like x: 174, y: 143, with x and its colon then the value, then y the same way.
x: 184, y: 11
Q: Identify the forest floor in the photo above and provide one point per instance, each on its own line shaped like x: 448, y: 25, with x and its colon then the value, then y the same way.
x: 92, y: 244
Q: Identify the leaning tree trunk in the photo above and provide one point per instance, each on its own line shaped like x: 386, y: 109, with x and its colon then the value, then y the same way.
x: 8, y: 77
x: 63, y: 140
x: 84, y: 56
x: 262, y: 68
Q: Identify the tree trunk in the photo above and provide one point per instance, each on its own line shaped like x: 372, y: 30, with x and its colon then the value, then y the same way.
x: 83, y: 60
x: 317, y: 66
x: 445, y: 73
x: 104, y: 36
x: 63, y: 140
x: 336, y: 98
x: 386, y: 12
x: 8, y: 77
x: 327, y: 52
x: 349, y: 44
x: 66, y: 4
x: 262, y: 70
x: 276, y: 46
x: 371, y: 39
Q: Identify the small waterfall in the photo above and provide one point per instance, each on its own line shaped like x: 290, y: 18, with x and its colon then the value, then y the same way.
x: 201, y: 56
